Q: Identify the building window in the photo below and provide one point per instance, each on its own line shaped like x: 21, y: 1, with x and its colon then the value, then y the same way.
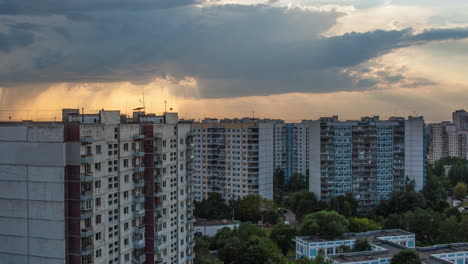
x: 97, y: 184
x: 126, y: 178
x: 127, y: 257
x: 126, y: 194
x: 98, y: 235
x: 98, y: 219
x: 126, y: 210
x: 126, y: 241
x: 125, y: 163
x: 126, y: 146
x: 98, y: 202
x: 98, y: 253
x: 98, y: 149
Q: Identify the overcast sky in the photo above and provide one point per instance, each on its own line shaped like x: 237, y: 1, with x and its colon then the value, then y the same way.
x: 290, y: 59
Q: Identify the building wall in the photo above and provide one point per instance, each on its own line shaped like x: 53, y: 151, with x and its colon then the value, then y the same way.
x: 32, y: 193
x: 314, y: 158
x: 265, y: 162
x: 414, y: 151
x: 233, y: 158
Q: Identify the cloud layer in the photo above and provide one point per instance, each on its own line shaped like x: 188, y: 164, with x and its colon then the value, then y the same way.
x: 231, y: 50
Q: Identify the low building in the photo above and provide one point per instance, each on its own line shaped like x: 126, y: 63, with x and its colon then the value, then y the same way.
x: 384, y: 245
x: 209, y: 228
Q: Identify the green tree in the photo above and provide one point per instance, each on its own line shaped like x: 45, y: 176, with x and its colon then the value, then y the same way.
x: 252, y: 207
x: 401, y: 202
x: 214, y: 207
x: 202, y: 251
x: 279, y: 185
x: 453, y: 211
x: 344, y: 205
x: 460, y: 190
x: 283, y: 235
x: 394, y: 221
x: 406, y: 256
x: 297, y: 182
x: 458, y: 172
x: 321, y: 258
x: 304, y: 202
x: 325, y: 224
x: 434, y: 192
x: 222, y: 237
x: 357, y: 224
x: 362, y: 244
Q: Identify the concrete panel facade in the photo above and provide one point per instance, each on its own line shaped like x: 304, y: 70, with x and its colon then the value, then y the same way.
x: 32, y: 190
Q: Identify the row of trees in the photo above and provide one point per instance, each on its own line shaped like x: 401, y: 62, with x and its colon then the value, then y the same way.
x: 251, y: 208
x: 249, y: 244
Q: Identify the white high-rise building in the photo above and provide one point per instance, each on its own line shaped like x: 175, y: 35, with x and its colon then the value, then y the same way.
x: 369, y: 158
x: 233, y: 157
x: 96, y: 188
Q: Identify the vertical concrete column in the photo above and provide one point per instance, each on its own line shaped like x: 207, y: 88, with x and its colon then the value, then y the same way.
x: 72, y: 195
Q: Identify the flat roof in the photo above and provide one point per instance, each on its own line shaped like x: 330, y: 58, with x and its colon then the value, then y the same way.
x: 369, y: 235
x: 213, y: 222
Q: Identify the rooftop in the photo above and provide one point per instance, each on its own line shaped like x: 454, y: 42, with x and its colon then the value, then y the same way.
x: 213, y: 222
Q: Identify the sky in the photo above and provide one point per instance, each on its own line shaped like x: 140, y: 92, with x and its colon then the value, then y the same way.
x: 288, y: 59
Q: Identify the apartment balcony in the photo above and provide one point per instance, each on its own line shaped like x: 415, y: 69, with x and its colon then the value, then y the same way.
x: 191, y: 232
x: 138, y: 154
x: 139, y: 183
x: 138, y: 244
x: 138, y: 214
x: 189, y: 184
x: 139, y: 260
x: 158, y: 135
x: 139, y: 168
x: 138, y: 199
x: 158, y: 193
x: 158, y: 207
x: 158, y: 249
x: 158, y: 164
x: 191, y: 220
x: 87, y: 250
x: 139, y: 230
x: 158, y: 179
x: 191, y: 244
x: 138, y: 137
x: 190, y: 208
x: 86, y: 177
x: 86, y: 196
x: 87, y: 232
x: 86, y: 159
x: 86, y: 140
x: 86, y: 214
x: 190, y: 196
x: 160, y: 149
x: 191, y: 256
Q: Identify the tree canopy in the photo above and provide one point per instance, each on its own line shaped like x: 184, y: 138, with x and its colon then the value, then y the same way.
x: 406, y: 256
x: 325, y: 224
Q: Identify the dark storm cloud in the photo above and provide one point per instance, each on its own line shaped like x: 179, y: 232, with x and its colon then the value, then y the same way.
x: 46, y: 7
x: 232, y: 50
x: 15, y: 38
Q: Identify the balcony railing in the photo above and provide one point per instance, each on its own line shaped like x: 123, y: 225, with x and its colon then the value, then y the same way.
x: 87, y: 250
x: 139, y: 154
x: 139, y: 243
x: 139, y: 168
x: 87, y: 232
x: 138, y: 214
x: 138, y: 199
x: 87, y: 158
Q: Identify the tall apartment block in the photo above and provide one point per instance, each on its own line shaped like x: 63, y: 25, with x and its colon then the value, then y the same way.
x: 290, y: 147
x: 370, y: 158
x: 448, y: 139
x: 233, y: 157
x: 96, y: 188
